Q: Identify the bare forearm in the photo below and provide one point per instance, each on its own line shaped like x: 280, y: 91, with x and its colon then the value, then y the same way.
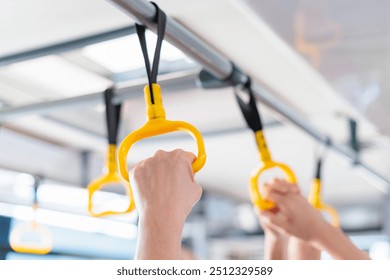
x: 301, y: 250
x: 338, y: 245
x: 275, y: 247
x: 157, y: 241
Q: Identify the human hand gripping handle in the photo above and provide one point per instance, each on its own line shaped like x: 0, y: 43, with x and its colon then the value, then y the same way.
x: 165, y: 192
x: 298, y: 218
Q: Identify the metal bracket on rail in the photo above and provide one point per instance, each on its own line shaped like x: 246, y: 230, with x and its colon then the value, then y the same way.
x: 207, y: 80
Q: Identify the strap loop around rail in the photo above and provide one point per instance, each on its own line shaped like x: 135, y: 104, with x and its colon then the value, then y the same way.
x: 249, y: 110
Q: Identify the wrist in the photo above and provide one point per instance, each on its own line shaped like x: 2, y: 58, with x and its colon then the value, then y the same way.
x: 158, y: 239
x: 275, y: 246
x: 273, y: 236
x: 157, y: 225
x: 322, y: 236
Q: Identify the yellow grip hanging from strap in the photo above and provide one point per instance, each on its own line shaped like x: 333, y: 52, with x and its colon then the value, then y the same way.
x: 110, y: 177
x: 157, y: 124
x: 267, y: 164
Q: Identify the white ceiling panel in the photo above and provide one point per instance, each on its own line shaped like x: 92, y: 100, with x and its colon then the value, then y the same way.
x: 58, y: 76
x: 26, y: 25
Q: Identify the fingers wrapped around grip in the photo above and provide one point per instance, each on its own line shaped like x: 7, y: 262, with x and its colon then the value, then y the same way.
x: 257, y: 199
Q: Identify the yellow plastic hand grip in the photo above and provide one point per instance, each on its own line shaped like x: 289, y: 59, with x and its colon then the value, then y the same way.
x: 111, y: 177
x: 265, y: 156
x: 44, y: 246
x: 157, y: 125
x: 316, y: 202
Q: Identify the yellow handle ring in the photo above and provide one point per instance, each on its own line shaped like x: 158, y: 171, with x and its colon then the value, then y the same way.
x: 111, y: 177
x: 316, y: 202
x: 155, y: 127
x: 44, y: 246
x: 256, y: 197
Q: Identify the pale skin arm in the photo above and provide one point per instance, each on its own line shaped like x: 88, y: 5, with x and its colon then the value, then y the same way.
x: 279, y: 246
x: 157, y: 242
x: 275, y: 247
x: 298, y: 218
x: 165, y: 192
x: 297, y: 249
x: 338, y: 245
x: 187, y: 254
x: 275, y: 243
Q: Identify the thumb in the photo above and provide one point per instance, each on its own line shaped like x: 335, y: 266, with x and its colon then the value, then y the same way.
x: 280, y: 200
x: 134, y: 169
x: 190, y: 157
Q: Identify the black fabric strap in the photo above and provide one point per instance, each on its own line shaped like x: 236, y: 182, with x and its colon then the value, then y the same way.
x: 152, y: 72
x: 249, y: 110
x: 318, y: 168
x: 321, y: 156
x: 112, y: 116
x: 37, y: 183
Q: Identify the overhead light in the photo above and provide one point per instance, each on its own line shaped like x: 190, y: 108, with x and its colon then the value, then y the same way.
x: 62, y: 198
x: 62, y: 195
x: 70, y: 221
